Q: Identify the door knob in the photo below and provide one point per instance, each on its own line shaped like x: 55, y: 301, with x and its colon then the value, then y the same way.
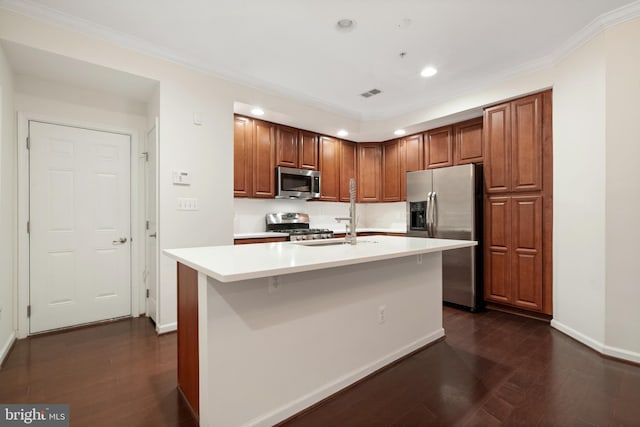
x: 120, y: 241
x: 153, y: 235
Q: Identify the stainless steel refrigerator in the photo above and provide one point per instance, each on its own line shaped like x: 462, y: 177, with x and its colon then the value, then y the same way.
x: 446, y: 203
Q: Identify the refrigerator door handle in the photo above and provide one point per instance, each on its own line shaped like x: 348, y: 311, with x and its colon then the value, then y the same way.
x: 434, y: 214
x: 430, y: 214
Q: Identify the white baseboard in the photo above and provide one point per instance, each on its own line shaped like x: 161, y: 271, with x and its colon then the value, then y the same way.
x: 287, y: 410
x: 620, y: 353
x: 166, y: 328
x: 598, y: 346
x: 6, y: 347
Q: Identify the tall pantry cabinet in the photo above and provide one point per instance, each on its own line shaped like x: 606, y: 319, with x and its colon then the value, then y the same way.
x: 519, y: 203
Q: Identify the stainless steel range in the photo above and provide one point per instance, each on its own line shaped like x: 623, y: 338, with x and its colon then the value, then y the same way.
x: 297, y: 225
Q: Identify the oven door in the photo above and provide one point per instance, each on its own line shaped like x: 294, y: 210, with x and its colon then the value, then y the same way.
x: 297, y: 183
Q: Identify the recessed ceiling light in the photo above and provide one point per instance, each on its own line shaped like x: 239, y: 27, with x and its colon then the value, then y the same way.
x: 399, y: 132
x: 257, y: 112
x: 428, y: 72
x: 345, y: 25
x: 342, y: 132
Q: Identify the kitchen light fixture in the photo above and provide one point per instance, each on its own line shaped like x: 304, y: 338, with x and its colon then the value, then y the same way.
x: 399, y: 132
x: 428, y: 72
x: 342, y: 132
x: 257, y: 112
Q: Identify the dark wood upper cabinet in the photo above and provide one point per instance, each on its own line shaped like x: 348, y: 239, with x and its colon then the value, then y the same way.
x: 468, y: 147
x: 439, y: 147
x: 329, y: 168
x: 411, y: 159
x: 391, y: 171
x: 287, y: 147
x: 307, y: 150
x: 497, y: 155
x: 526, y: 143
x: 242, y: 157
x: 348, y: 167
x: 369, y: 172
x: 264, y: 137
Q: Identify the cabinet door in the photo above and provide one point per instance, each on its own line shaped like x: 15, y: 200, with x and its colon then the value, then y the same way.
x: 468, y: 142
x: 307, y: 150
x: 497, y: 259
x: 497, y: 155
x: 347, y: 167
x: 264, y: 137
x: 411, y: 159
x: 287, y: 147
x: 526, y: 270
x: 369, y: 168
x: 439, y: 148
x: 242, y: 157
x: 391, y: 172
x: 329, y: 168
x: 526, y: 144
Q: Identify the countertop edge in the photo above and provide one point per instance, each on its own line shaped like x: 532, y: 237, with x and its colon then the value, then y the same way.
x: 277, y: 271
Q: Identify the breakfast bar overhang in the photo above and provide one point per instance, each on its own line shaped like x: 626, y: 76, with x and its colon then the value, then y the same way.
x: 267, y: 330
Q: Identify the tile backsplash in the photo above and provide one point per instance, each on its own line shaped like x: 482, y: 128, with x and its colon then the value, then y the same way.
x: 249, y: 213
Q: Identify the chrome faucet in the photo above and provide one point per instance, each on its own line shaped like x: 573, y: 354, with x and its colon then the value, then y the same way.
x: 351, y: 235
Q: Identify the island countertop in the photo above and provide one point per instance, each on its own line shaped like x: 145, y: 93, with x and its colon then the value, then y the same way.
x: 241, y: 262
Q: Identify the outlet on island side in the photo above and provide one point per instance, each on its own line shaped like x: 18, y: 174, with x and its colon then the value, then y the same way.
x: 274, y: 284
x: 382, y: 315
x: 419, y: 258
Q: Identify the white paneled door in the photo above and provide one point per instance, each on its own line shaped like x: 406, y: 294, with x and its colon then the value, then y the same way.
x: 80, y: 231
x: 151, y: 224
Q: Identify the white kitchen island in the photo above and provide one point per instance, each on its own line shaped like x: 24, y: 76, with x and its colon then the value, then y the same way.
x: 266, y: 330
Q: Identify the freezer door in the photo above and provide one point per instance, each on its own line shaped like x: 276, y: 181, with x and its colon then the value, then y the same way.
x: 419, y: 185
x: 453, y: 213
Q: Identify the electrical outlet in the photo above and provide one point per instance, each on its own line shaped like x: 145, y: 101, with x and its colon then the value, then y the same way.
x: 382, y: 315
x: 274, y: 284
x: 0, y: 312
x: 419, y: 258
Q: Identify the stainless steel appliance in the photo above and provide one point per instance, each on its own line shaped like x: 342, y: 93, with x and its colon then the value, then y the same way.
x: 446, y: 203
x: 297, y: 225
x: 295, y: 183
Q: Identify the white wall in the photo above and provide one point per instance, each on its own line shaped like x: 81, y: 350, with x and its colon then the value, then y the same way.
x: 623, y: 190
x: 8, y: 206
x: 579, y: 191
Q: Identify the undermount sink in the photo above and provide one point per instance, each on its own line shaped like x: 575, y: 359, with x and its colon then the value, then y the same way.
x: 328, y: 243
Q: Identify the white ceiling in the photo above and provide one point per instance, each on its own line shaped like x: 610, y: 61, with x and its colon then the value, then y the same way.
x: 292, y: 47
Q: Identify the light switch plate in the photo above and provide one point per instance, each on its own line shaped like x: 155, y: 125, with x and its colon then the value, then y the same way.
x: 187, y: 204
x: 181, y: 178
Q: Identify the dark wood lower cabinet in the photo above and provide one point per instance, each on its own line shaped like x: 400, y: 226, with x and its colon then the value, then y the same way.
x: 188, y: 364
x: 513, y: 248
x: 259, y: 240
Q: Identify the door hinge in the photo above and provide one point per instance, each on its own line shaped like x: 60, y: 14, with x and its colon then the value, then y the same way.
x: 147, y: 225
x: 145, y: 154
x: 147, y: 293
x: 29, y: 311
x: 28, y: 143
x: 28, y: 227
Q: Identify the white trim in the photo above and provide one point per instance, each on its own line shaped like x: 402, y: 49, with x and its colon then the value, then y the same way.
x: 597, y: 26
x: 166, y: 328
x: 327, y: 390
x: 607, y: 350
x: 620, y: 353
x: 578, y: 336
x: 4, y: 351
x: 23, y: 210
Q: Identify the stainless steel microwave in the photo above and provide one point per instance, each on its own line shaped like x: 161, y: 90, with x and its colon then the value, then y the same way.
x: 292, y: 183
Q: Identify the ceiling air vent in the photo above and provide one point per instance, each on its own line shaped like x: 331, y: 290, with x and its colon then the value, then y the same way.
x: 370, y: 93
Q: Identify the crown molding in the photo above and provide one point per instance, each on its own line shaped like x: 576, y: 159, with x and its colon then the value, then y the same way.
x: 596, y: 27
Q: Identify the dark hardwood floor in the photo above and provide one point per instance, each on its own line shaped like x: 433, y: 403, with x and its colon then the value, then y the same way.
x: 492, y: 369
